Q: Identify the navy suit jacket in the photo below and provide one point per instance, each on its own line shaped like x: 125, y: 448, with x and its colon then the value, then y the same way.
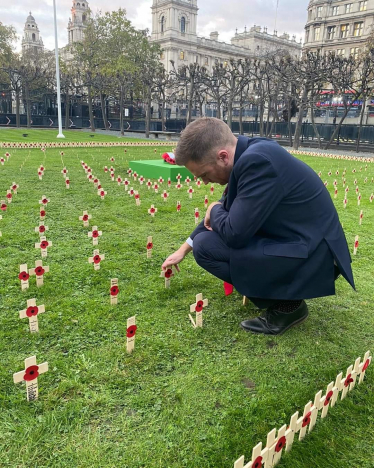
x: 280, y: 224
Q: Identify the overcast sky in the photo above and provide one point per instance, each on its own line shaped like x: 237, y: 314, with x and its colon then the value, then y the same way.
x: 214, y: 15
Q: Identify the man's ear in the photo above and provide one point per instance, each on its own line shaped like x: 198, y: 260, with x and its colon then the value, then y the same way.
x: 223, y: 157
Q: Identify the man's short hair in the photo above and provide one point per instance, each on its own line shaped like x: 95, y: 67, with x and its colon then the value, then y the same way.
x: 201, y: 138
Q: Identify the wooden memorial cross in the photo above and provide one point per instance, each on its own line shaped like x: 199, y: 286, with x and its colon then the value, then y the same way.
x: 359, y: 199
x: 169, y: 182
x: 119, y: 180
x: 31, y: 313
x: 9, y: 196
x: 155, y: 187
x: 179, y: 185
x: 355, y: 246
x: 187, y: 180
x: 345, y: 201
x: 152, y: 211
x: 190, y: 191
x: 126, y: 183
x: 64, y: 172
x: 198, y: 308
x: 43, y: 246
x: 179, y: 177
x: 197, y: 215
x: 361, y: 217
x: 95, y: 234
x: 30, y: 376
x: 371, y: 198
x: 102, y: 193
x: 15, y: 187
x: 0, y: 220
x: 85, y: 218
x: 179, y: 206
x: 167, y: 274
x: 160, y: 180
x: 44, y: 201
x: 165, y: 195
x: 149, y: 184
x: 206, y: 201
x: 40, y: 174
x: 39, y: 271
x: 67, y: 183
x: 141, y: 180
x: 3, y: 205
x: 96, y: 259
x: 24, y: 276
x: 137, y: 198
x: 149, y: 246
x: 130, y: 334
x: 198, y: 183
x: 114, y: 291
x: 212, y: 189
x: 135, y: 176
x: 112, y: 176
x: 41, y: 228
x: 131, y: 192
x: 105, y: 168
x: 96, y: 183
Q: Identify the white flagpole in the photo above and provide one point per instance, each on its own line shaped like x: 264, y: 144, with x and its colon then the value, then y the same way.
x: 60, y: 134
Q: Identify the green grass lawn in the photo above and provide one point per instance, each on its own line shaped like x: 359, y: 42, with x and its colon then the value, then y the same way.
x: 186, y: 397
x: 46, y: 135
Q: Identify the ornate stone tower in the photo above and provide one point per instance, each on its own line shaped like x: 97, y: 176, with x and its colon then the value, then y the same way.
x: 31, y: 40
x: 174, y: 28
x: 77, y: 23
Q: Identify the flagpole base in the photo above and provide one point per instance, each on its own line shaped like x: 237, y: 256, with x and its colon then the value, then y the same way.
x: 60, y: 135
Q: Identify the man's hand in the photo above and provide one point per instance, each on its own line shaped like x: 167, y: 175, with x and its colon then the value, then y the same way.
x: 207, y: 215
x: 176, y: 257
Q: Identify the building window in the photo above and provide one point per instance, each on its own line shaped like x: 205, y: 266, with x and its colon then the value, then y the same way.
x: 183, y: 24
x: 306, y: 35
x: 348, y: 8
x: 354, y: 52
x: 181, y: 55
x: 206, y: 61
x: 335, y: 11
x: 363, y: 5
x: 341, y: 53
x: 33, y: 36
x: 317, y: 32
x: 331, y: 32
x: 83, y: 18
x: 319, y: 12
x: 162, y: 55
x: 163, y: 24
x: 344, y: 29
x: 358, y: 28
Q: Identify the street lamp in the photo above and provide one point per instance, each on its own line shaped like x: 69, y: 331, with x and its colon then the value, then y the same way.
x: 60, y: 134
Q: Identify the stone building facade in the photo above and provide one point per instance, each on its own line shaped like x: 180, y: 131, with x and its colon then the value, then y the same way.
x: 31, y: 40
x: 174, y: 28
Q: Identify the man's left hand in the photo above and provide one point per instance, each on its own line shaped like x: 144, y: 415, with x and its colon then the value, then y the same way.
x: 207, y: 215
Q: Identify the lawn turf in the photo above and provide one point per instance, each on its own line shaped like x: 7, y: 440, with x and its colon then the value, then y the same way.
x: 186, y: 397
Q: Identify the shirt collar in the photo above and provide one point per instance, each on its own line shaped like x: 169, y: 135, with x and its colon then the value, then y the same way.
x: 241, y: 146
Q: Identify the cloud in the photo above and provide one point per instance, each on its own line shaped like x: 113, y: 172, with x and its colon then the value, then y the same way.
x: 213, y: 15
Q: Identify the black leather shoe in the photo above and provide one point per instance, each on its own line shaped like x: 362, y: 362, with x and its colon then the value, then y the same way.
x: 273, y: 322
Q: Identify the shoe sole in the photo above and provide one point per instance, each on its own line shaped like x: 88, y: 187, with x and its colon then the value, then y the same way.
x: 298, y: 322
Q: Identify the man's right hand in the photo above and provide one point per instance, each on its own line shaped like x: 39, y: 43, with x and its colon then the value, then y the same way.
x: 176, y: 257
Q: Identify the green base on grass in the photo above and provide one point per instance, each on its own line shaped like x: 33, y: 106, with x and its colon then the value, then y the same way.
x: 156, y: 168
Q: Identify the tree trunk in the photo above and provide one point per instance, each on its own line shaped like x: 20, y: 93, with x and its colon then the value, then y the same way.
x: 190, y: 99
x: 103, y: 111
x: 262, y: 110
x: 163, y: 116
x: 148, y: 112
x: 201, y: 108
x: 90, y: 112
x: 338, y: 127
x: 360, y: 126
x: 218, y: 107
x: 67, y: 105
x: 18, y: 119
x: 289, y: 121
x: 299, y: 124
x: 315, y: 129
x: 28, y: 109
x: 121, y: 124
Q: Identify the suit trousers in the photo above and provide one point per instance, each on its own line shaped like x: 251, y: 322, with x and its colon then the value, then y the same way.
x: 212, y: 254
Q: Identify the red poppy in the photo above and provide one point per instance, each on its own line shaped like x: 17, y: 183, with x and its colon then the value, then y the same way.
x: 23, y: 276
x: 168, y: 273
x: 44, y: 244
x: 152, y: 210
x: 348, y: 380
x: 67, y: 181
x: 149, y: 245
x: 130, y: 332
x: 95, y: 234
x: 39, y: 271
x: 96, y: 181
x: 99, y: 187
x: 102, y: 193
x: 14, y: 187
x: 280, y: 444
x: 41, y: 228
x: 85, y: 217
x: 9, y: 195
x: 44, y: 201
x: 41, y: 168
x: 366, y: 365
x: 42, y: 212
x: 114, y: 290
x: 90, y: 176
x: 306, y: 420
x: 137, y: 196
x: 31, y: 373
x: 97, y: 259
x: 328, y: 398
x: 32, y: 311
x: 197, y: 214
x: 40, y: 173
x: 199, y: 306
x: 178, y: 207
x: 257, y: 463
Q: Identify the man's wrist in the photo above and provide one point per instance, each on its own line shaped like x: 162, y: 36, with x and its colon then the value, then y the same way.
x: 185, y: 248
